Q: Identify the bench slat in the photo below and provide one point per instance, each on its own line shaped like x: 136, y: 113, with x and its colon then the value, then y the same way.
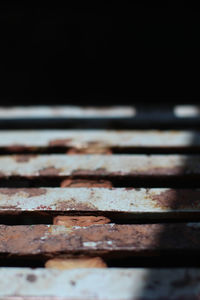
x: 108, y: 239
x: 99, y: 165
x: 135, y: 202
x: 31, y: 139
x: 101, y: 284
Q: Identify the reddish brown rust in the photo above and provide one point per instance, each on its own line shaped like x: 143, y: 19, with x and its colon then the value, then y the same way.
x: 50, y: 171
x: 60, y: 142
x: 81, y: 221
x: 75, y: 263
x: 166, y: 171
x: 109, y: 238
x: 85, y: 183
x: 31, y: 192
x: 13, y: 208
x: 177, y: 199
x: 19, y: 148
x: 2, y: 175
x: 88, y: 150
x: 73, y: 205
x: 24, y: 158
x: 85, y: 172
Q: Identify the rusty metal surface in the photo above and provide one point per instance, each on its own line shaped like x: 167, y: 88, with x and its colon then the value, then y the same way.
x: 99, y: 165
x: 66, y: 111
x: 81, y: 139
x: 101, y: 284
x: 120, y: 200
x: 109, y: 239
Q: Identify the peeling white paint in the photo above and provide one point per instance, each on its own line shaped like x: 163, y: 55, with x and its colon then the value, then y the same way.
x: 110, y: 164
x: 99, y: 199
x: 101, y: 284
x: 107, y: 138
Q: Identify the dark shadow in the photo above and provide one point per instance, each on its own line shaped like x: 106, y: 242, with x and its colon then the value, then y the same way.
x: 180, y: 260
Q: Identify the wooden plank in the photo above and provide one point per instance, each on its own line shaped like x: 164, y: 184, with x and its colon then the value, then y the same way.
x: 83, y: 139
x: 134, y: 203
x: 31, y: 166
x: 108, y: 239
x: 101, y: 284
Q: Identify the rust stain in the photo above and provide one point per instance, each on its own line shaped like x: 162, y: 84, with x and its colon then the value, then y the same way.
x: 10, y: 207
x: 31, y: 192
x: 60, y: 142
x: 24, y: 158
x: 91, y: 148
x: 177, y: 199
x: 135, y: 239
x: 81, y: 221
x: 43, y: 207
x: 31, y: 278
x: 85, y: 172
x: 73, y: 205
x: 156, y: 171
x: 19, y: 148
x: 2, y: 175
x: 85, y: 183
x: 34, y: 192
x: 50, y: 171
x: 9, y: 192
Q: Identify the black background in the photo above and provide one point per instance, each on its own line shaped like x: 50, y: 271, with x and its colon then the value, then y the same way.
x: 100, y: 53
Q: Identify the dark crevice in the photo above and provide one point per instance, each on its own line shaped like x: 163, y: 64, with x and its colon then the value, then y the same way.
x: 98, y: 123
x: 173, y: 261
x: 46, y: 217
x: 136, y: 181
x: 114, y: 150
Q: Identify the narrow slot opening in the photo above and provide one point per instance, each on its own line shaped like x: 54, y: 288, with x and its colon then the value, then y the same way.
x: 164, y: 260
x: 101, y: 123
x: 136, y: 181
x: 46, y: 217
x: 114, y: 150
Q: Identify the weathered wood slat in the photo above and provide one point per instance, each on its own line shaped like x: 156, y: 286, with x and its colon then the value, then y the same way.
x: 109, y: 239
x: 80, y: 139
x: 134, y: 202
x: 101, y: 284
x: 99, y: 165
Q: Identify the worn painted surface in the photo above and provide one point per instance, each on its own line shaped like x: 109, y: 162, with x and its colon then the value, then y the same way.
x: 180, y: 111
x: 99, y: 165
x: 66, y: 111
x: 101, y: 284
x: 97, y: 139
x: 108, y: 239
x: 134, y: 201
